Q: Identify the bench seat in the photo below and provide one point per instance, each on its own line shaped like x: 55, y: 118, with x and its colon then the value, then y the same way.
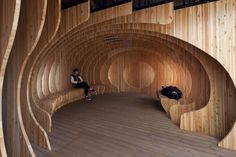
x: 174, y: 109
x: 167, y: 102
x: 55, y: 101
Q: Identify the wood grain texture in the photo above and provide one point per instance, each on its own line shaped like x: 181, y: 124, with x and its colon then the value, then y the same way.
x: 167, y: 103
x: 199, y: 46
x: 84, y: 69
x: 41, y: 118
x: 72, y: 17
x: 124, y: 125
x: 112, y: 28
x: 176, y: 110
x: 160, y: 14
x: 30, y: 26
x: 9, y: 16
x: 50, y: 32
x: 200, y: 21
x: 186, y: 21
x: 229, y: 140
x: 110, y: 13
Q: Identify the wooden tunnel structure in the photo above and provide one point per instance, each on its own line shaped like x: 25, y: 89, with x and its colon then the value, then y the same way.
x: 116, y: 49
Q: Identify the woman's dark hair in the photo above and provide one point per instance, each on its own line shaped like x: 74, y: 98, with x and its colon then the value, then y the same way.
x: 74, y: 70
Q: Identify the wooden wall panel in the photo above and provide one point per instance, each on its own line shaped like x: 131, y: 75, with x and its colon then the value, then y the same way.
x: 110, y: 13
x: 50, y: 29
x: 72, y: 17
x: 157, y: 28
x: 33, y: 75
x: 205, y: 26
x: 212, y: 28
x: 87, y: 54
x: 67, y: 25
x: 41, y: 118
x: 161, y: 14
x: 30, y: 26
x: 9, y: 15
x: 229, y: 140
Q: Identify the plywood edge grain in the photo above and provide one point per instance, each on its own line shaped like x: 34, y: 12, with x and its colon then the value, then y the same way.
x: 28, y: 135
x: 14, y: 20
x: 229, y: 141
x: 42, y: 116
x: 177, y: 110
x: 73, y: 17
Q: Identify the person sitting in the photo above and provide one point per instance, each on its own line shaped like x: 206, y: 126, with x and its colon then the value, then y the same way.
x: 171, y: 92
x: 78, y: 82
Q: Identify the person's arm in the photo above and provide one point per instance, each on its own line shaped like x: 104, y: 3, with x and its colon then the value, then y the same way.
x: 72, y: 80
x: 81, y: 79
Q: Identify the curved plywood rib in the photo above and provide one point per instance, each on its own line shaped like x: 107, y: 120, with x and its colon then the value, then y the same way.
x: 39, y: 133
x: 9, y: 15
x: 229, y: 140
x: 198, y: 121
x: 177, y: 110
x: 81, y: 14
x: 31, y: 20
x: 41, y: 117
x: 106, y: 43
x: 92, y: 53
x: 65, y: 27
x: 68, y: 47
x: 72, y: 17
x: 189, y: 106
x: 217, y: 100
x: 195, y: 121
x: 185, y: 21
x: 201, y: 22
x: 48, y: 36
x: 167, y: 103
x: 194, y: 25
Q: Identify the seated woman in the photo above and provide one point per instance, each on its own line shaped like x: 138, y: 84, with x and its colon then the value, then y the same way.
x: 77, y: 82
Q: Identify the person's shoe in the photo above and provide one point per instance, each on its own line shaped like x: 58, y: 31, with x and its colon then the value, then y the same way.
x: 88, y: 98
x: 92, y: 90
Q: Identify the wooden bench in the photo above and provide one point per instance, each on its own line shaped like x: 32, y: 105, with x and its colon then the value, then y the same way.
x: 55, y: 101
x: 52, y: 103
x: 174, y: 109
x: 166, y: 102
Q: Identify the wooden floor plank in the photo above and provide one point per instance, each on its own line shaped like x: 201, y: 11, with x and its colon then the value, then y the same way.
x: 124, y: 125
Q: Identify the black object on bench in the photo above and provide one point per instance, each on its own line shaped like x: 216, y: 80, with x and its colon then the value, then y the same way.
x: 171, y: 92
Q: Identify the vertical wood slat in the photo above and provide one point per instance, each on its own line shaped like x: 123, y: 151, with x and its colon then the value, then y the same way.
x: 193, y: 20
x: 207, y: 38
x: 9, y: 16
x: 32, y: 16
x: 80, y: 18
x: 49, y: 30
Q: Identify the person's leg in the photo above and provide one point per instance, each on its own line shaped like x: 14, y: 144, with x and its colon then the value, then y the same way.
x: 86, y: 91
x: 76, y: 85
x: 85, y: 86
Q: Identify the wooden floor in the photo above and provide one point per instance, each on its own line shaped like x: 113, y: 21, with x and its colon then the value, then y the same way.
x: 124, y: 125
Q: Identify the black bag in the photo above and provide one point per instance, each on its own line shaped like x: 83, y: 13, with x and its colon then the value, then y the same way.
x: 171, y: 92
